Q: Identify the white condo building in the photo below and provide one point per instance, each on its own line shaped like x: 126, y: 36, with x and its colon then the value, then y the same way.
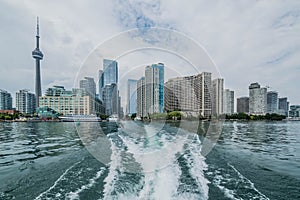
x: 190, y: 94
x: 228, y: 105
x: 5, y: 100
x: 257, y: 99
x: 25, y: 102
x: 141, y: 98
x: 217, y: 96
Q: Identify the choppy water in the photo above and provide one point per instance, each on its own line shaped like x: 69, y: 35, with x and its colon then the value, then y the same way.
x: 252, y: 160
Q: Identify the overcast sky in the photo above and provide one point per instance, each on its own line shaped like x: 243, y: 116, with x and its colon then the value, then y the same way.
x: 245, y: 41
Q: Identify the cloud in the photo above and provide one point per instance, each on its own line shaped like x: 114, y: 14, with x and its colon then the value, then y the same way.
x: 250, y: 41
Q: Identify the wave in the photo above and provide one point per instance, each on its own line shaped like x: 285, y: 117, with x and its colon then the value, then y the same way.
x: 90, y: 184
x: 233, y: 184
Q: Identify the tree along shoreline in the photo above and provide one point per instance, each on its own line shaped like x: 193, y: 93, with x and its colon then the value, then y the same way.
x: 178, y: 115
x: 245, y: 116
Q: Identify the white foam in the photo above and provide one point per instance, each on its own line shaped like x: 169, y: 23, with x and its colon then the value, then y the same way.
x: 158, y: 161
x: 91, y: 183
x: 227, y: 192
x: 197, y: 166
x: 56, y: 182
x: 157, y: 154
x: 114, y: 165
x: 262, y: 196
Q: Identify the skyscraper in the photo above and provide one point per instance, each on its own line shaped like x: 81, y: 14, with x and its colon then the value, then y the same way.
x: 180, y: 95
x: 272, y: 102
x: 38, y: 56
x: 203, y: 91
x: 283, y: 106
x: 131, y: 96
x: 5, y: 100
x: 217, y: 96
x: 108, y: 87
x: 154, y: 80
x: 89, y: 85
x: 242, y: 105
x: 141, y: 98
x: 228, y: 105
x: 257, y: 99
x: 100, y: 83
x: 25, y: 102
x: 111, y: 99
x: 190, y: 94
x: 110, y: 72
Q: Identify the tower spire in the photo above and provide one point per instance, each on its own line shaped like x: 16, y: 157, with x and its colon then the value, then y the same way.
x: 37, y: 26
x: 38, y: 56
x: 37, y: 33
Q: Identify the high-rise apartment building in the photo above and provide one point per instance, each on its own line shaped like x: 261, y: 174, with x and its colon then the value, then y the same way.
x: 180, y: 95
x: 111, y: 99
x: 190, y: 94
x: 203, y: 91
x: 283, y: 106
x: 100, y: 83
x: 257, y: 99
x: 5, y: 100
x: 154, y: 80
x: 141, y: 98
x: 217, y: 96
x: 89, y: 85
x: 131, y: 96
x: 242, y: 105
x: 228, y: 105
x: 25, y: 102
x: 272, y: 102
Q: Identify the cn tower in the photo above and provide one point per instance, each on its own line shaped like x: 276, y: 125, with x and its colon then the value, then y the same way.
x: 38, y: 56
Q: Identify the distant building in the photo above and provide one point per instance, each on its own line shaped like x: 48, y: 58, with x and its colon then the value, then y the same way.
x: 5, y: 100
x: 56, y: 91
x: 66, y: 102
x: 89, y: 85
x: 108, y: 88
x: 131, y: 96
x: 190, y: 94
x: 283, y: 106
x: 217, y: 96
x: 294, y: 111
x: 110, y: 72
x: 141, y: 98
x: 154, y: 80
x: 242, y: 105
x: 111, y: 99
x: 257, y: 99
x: 203, y: 92
x: 100, y: 84
x: 45, y: 112
x: 228, y: 105
x: 272, y: 102
x: 25, y: 102
x: 180, y: 95
x: 38, y: 56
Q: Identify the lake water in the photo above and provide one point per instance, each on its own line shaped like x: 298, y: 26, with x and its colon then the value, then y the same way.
x: 53, y: 160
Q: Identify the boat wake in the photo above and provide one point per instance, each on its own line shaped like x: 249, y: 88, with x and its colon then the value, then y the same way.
x: 155, y: 164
